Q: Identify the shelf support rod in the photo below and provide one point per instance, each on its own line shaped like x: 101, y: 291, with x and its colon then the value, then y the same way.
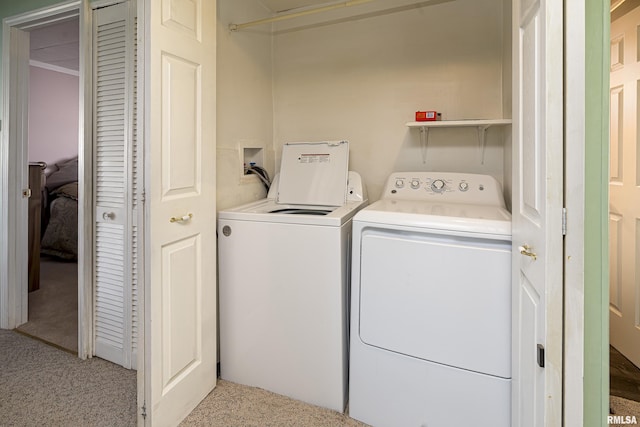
x: 424, y: 142
x: 482, y: 135
x: 277, y: 18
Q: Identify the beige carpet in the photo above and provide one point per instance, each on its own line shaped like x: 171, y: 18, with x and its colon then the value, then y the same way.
x: 625, y: 407
x: 234, y: 405
x: 53, y: 309
x: 43, y: 386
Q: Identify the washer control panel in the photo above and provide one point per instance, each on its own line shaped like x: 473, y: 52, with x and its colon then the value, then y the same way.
x: 447, y: 187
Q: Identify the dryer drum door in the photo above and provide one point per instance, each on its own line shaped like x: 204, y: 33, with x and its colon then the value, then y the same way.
x: 439, y: 298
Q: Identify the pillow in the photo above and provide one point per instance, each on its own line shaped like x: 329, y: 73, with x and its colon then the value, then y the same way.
x: 67, y: 172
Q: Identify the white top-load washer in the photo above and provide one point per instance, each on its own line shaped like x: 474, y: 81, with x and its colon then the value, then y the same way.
x: 284, y: 278
x: 431, y: 304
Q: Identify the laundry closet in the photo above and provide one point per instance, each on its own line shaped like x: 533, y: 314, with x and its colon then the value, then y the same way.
x: 360, y: 73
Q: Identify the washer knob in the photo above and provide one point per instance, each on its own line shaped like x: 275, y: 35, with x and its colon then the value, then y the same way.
x: 415, y: 184
x: 464, y: 186
x: 399, y: 183
x: 438, y: 186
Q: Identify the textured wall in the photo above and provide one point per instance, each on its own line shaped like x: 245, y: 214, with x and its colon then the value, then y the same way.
x: 245, y: 101
x: 362, y: 78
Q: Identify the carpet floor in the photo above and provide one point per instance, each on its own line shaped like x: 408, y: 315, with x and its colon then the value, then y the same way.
x: 53, y: 309
x: 234, y: 405
x: 41, y: 385
x: 624, y: 407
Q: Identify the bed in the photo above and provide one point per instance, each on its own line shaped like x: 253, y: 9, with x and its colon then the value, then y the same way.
x: 60, y: 211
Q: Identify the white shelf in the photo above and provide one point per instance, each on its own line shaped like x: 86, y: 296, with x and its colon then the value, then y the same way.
x: 480, y: 125
x: 460, y: 123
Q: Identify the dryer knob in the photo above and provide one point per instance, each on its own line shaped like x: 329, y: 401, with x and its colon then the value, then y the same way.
x: 438, y: 186
x: 415, y: 184
x: 399, y: 183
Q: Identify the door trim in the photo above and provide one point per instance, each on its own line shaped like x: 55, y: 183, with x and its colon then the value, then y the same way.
x: 13, y: 299
x: 13, y: 289
x: 574, y: 196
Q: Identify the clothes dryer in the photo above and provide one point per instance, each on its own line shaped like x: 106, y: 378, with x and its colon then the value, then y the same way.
x: 284, y: 278
x: 431, y: 304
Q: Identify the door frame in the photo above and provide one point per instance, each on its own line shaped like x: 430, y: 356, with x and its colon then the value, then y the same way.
x: 574, y: 187
x: 586, y: 257
x: 13, y: 268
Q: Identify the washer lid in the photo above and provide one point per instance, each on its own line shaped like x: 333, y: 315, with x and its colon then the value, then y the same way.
x: 265, y: 211
x: 314, y: 173
x: 452, y: 217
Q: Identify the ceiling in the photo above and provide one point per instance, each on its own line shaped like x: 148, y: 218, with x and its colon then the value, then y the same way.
x: 57, y: 44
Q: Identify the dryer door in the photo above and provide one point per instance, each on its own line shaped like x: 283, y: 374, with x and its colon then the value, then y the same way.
x: 444, y: 299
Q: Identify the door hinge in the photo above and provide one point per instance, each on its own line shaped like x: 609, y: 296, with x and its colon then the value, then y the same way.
x: 541, y: 355
x: 26, y: 193
x: 564, y: 221
x: 144, y: 410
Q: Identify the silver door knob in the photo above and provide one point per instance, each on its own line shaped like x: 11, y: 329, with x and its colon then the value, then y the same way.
x: 108, y: 215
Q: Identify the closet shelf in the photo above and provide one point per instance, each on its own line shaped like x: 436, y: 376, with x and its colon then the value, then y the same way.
x: 480, y: 125
x: 460, y: 123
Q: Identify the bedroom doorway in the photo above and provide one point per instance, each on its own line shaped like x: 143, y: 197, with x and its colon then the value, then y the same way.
x: 109, y: 189
x: 53, y: 147
x: 14, y: 180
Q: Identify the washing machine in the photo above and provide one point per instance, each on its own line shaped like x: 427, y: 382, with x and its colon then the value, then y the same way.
x: 431, y: 304
x: 284, y: 274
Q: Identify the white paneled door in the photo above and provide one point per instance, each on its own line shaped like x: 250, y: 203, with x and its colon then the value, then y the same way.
x: 116, y: 193
x: 537, y: 212
x: 180, y: 290
x: 624, y: 188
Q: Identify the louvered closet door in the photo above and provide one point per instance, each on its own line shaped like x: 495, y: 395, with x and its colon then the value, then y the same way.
x: 115, y: 186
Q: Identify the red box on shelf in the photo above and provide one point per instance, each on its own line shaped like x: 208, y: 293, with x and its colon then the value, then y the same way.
x: 427, y: 116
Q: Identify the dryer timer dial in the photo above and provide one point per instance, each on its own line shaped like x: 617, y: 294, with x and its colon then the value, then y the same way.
x: 438, y: 186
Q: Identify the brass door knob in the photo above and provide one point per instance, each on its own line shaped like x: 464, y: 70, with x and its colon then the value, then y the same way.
x: 181, y: 218
x: 526, y: 250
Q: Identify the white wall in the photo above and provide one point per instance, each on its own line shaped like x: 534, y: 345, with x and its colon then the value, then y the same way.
x: 245, y: 102
x: 363, y: 78
x: 507, y: 95
x: 53, y: 116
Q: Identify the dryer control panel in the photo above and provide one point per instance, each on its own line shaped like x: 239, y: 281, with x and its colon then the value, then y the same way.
x: 449, y: 187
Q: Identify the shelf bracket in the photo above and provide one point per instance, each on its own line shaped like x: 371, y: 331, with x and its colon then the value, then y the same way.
x: 424, y: 142
x: 482, y: 135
